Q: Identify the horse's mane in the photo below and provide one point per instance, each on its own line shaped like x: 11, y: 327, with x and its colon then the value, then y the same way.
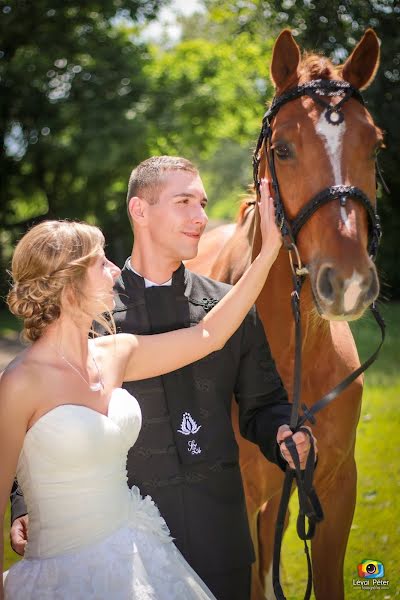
x: 317, y: 66
x: 246, y: 207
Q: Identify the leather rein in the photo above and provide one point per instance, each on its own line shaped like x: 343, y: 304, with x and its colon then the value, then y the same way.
x: 309, y: 505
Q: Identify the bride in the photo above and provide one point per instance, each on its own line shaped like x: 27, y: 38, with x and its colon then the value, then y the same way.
x: 66, y: 424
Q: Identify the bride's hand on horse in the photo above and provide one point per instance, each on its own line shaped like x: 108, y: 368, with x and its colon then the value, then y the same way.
x: 271, y: 235
x: 302, y: 441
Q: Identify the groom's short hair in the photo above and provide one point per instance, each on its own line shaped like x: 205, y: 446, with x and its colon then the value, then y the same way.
x: 147, y: 178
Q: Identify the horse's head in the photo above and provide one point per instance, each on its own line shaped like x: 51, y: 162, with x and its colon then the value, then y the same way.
x: 319, y: 137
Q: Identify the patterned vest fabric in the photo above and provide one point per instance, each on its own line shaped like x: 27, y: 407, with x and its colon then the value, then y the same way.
x: 168, y: 309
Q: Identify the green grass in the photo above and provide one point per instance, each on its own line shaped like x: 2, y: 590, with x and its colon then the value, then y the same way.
x: 375, y: 531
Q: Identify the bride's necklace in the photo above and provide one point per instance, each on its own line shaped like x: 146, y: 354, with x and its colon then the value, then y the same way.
x: 94, y: 387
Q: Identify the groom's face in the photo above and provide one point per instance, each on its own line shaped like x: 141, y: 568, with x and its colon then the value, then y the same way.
x: 177, y: 220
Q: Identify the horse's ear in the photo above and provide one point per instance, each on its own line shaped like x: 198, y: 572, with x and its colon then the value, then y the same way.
x: 285, y: 60
x: 361, y: 66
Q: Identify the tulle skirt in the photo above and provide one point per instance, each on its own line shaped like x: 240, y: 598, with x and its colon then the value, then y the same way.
x: 137, y: 562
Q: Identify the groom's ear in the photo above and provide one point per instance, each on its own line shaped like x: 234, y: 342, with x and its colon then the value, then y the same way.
x: 137, y: 210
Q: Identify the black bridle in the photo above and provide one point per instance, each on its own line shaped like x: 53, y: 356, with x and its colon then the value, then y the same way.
x: 315, y: 89
x: 309, y: 504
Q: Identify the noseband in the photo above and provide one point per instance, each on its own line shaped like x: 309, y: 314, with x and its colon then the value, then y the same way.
x: 316, y: 89
x: 310, y: 507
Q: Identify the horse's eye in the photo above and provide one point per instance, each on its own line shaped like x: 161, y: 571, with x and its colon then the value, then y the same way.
x: 282, y: 151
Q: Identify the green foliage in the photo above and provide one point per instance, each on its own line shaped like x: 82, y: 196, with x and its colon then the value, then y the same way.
x: 385, y: 371
x: 208, y: 98
x: 72, y: 84
x: 211, y: 91
x: 10, y: 326
x: 207, y: 91
x: 226, y: 176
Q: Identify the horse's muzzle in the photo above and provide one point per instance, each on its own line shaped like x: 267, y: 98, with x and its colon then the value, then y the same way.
x: 341, y: 298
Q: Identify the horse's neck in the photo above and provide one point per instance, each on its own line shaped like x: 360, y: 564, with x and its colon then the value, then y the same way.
x: 275, y: 308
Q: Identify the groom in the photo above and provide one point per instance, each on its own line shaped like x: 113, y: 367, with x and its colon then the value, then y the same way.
x: 186, y: 456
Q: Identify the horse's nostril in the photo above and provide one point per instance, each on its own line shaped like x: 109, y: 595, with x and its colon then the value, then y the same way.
x: 325, y: 283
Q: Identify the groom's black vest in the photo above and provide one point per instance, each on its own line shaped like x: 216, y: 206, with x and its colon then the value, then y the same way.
x: 186, y: 456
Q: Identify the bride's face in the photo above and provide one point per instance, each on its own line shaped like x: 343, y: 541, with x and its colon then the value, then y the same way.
x: 100, y: 279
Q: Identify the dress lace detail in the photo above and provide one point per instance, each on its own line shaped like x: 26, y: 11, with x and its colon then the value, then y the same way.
x: 144, y: 515
x: 90, y: 537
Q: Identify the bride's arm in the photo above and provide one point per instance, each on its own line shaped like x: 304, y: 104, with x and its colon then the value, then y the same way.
x: 151, y: 355
x: 14, y: 418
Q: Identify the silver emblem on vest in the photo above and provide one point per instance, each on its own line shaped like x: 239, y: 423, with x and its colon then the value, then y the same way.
x: 188, y: 425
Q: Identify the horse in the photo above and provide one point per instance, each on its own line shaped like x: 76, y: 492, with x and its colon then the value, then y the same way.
x: 312, y: 152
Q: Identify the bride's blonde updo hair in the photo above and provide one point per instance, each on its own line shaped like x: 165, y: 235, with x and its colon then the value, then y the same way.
x: 49, y: 258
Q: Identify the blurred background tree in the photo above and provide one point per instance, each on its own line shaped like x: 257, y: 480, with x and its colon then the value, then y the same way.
x: 213, y: 92
x: 71, y: 97
x: 86, y: 95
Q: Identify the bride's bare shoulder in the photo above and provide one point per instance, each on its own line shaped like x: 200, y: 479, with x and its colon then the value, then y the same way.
x: 24, y: 375
x: 16, y: 370
x: 18, y: 384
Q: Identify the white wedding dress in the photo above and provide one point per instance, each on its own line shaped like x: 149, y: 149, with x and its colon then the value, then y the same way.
x: 90, y: 537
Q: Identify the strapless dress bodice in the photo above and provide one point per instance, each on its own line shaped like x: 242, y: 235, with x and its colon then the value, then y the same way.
x: 90, y: 537
x: 72, y: 470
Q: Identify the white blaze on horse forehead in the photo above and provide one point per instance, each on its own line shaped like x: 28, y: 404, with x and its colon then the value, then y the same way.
x: 352, y: 291
x: 332, y: 136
